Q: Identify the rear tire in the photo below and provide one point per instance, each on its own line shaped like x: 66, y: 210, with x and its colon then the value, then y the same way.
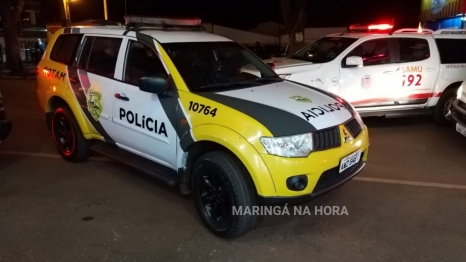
x: 442, y: 111
x: 220, y: 182
x: 68, y: 137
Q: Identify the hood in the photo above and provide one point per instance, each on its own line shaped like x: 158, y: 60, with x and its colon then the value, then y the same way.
x: 284, y: 62
x: 285, y: 108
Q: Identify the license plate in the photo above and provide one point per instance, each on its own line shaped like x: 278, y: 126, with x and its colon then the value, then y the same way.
x: 461, y: 129
x: 350, y: 160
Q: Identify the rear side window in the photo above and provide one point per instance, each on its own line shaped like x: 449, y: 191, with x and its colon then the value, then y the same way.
x: 412, y: 49
x: 99, y: 55
x: 64, y: 49
x: 452, y: 51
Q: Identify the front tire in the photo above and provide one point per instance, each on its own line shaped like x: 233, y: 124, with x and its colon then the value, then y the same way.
x: 68, y: 137
x: 221, y: 183
x: 442, y: 111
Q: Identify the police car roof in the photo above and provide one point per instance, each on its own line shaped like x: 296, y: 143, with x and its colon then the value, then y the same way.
x: 161, y: 35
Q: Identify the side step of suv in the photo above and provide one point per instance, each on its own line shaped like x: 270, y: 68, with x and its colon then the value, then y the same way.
x: 164, y: 174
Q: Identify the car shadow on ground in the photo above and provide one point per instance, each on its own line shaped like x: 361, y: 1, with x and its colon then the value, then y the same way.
x: 376, y: 122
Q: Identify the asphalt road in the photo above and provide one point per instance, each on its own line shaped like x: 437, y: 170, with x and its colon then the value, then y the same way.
x: 408, y: 204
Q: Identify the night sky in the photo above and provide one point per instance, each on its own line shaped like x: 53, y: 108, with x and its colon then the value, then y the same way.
x: 245, y: 14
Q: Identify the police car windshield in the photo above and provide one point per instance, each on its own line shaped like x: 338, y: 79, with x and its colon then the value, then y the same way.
x: 324, y: 50
x: 213, y: 66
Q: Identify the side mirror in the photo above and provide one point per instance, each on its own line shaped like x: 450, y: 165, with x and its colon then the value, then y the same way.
x: 156, y: 84
x: 354, y: 61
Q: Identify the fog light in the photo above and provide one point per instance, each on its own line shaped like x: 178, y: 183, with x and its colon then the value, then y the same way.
x: 297, y: 183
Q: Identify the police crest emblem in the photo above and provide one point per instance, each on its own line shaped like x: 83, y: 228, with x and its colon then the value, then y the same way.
x: 94, y: 103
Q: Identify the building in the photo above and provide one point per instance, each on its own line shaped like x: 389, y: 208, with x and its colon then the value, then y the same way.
x: 31, y: 28
x: 443, y: 14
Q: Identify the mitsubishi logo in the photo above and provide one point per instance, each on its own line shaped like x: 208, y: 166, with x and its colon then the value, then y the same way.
x: 348, y: 137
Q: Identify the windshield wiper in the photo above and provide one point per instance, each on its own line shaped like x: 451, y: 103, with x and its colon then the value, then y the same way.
x: 268, y: 79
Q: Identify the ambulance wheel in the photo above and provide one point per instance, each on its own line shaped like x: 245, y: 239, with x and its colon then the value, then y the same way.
x: 68, y: 137
x: 442, y: 111
x: 221, y: 190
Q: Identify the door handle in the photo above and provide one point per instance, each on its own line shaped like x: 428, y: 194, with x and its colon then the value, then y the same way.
x: 388, y: 72
x: 122, y: 97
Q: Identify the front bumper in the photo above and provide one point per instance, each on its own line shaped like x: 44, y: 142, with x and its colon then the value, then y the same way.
x: 459, y: 112
x: 5, y: 128
x: 334, y: 183
x: 321, y: 169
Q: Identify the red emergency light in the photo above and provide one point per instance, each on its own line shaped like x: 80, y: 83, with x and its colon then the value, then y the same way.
x: 380, y: 27
x: 373, y: 27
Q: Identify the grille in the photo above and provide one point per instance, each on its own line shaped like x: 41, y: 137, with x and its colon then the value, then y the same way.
x: 326, y: 139
x: 354, y: 127
x: 332, y: 177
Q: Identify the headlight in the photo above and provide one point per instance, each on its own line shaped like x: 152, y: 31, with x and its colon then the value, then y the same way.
x: 285, y: 76
x: 289, y: 146
x: 460, y: 92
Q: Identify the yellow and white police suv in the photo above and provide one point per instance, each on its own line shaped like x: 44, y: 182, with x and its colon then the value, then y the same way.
x: 171, y: 100
x: 459, y: 110
x: 384, y: 73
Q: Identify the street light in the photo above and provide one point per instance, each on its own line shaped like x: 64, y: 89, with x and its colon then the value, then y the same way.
x: 66, y: 7
x: 105, y: 10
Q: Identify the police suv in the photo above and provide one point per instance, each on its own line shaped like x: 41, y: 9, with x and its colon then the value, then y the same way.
x: 459, y: 110
x: 381, y: 72
x: 179, y: 104
x: 5, y: 124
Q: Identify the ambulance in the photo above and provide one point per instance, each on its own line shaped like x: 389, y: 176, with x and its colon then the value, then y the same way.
x: 383, y: 72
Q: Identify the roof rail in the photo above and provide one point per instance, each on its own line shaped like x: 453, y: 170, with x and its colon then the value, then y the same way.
x: 137, y: 23
x: 413, y: 31
x: 450, y: 31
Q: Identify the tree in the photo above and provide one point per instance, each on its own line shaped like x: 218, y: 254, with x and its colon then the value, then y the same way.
x: 294, y: 18
x: 10, y: 18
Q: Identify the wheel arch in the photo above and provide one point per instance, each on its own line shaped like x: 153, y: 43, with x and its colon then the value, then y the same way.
x: 212, y: 138
x: 55, y: 102
x: 452, y: 86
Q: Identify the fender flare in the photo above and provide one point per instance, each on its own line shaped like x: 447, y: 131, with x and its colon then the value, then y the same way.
x: 241, y: 148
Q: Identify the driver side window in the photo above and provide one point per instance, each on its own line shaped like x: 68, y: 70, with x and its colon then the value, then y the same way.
x: 141, y: 61
x: 372, y: 52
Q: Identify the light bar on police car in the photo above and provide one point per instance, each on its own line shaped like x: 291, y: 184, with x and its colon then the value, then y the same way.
x: 370, y: 27
x: 163, y: 20
x: 380, y: 27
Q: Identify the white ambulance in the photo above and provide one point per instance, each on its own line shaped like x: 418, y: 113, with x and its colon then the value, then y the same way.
x: 384, y: 73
